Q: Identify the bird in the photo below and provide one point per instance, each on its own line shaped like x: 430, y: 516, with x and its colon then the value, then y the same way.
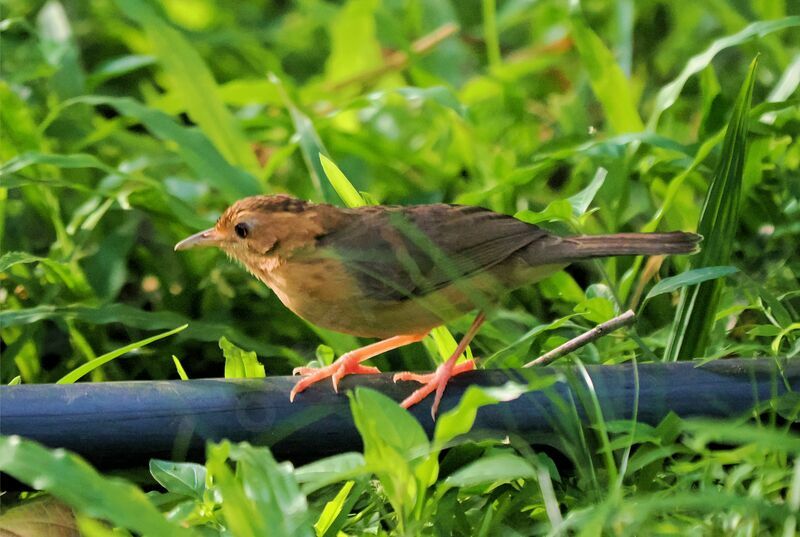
x: 395, y: 272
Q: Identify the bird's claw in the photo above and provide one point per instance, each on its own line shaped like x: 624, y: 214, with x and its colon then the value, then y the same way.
x: 348, y: 364
x: 432, y: 381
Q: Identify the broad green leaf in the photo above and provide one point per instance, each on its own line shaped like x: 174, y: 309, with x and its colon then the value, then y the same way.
x: 185, y: 478
x: 597, y: 309
x: 70, y: 479
x: 690, y: 277
x: 609, y: 83
x: 354, y: 43
x: 238, y: 511
x: 40, y: 517
x: 315, y: 475
x: 272, y: 490
x: 9, y: 259
x: 580, y: 202
x: 190, y: 78
x: 239, y: 363
x: 460, y: 420
x: 718, y: 225
x: 394, y: 447
x: 383, y: 423
x: 88, y: 367
x: 490, y: 469
x: 558, y: 210
x: 669, y: 93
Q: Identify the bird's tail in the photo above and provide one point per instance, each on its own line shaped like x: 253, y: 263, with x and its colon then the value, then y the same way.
x: 586, y: 247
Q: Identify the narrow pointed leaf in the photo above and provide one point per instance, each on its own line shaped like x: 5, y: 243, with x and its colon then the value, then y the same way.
x: 718, y: 224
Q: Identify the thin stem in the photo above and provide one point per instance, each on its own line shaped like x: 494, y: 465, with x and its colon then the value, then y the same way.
x: 490, y: 33
x: 573, y: 344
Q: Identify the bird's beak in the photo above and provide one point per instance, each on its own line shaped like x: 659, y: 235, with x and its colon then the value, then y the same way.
x: 209, y: 237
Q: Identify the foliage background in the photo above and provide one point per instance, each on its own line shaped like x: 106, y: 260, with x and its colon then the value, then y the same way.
x: 128, y: 124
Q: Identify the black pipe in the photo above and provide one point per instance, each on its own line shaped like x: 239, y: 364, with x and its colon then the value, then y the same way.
x: 123, y: 424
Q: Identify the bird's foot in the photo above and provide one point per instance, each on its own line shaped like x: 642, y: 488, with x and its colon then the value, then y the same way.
x: 433, y: 381
x: 347, y: 364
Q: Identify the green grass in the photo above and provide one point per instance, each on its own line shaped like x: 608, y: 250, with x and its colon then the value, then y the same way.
x: 127, y: 125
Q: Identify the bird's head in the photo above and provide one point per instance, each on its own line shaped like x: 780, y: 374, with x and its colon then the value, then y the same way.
x: 252, y: 228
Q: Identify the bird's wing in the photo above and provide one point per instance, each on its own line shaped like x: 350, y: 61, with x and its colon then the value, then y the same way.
x: 403, y: 252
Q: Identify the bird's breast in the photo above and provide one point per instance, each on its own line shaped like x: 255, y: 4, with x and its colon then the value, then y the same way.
x: 322, y: 292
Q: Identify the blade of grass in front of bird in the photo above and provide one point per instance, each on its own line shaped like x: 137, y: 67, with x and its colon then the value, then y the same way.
x: 718, y: 223
x: 79, y: 372
x: 191, y: 78
x: 443, y: 339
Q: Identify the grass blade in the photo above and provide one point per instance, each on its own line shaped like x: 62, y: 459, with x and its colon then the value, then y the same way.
x: 310, y: 143
x: 490, y: 34
x: 79, y: 372
x: 669, y: 93
x: 340, y: 183
x: 609, y: 83
x: 194, y: 147
x: 179, y: 368
x: 718, y: 223
x: 192, y: 80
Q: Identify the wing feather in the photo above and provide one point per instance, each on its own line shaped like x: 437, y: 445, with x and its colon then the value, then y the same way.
x: 397, y: 253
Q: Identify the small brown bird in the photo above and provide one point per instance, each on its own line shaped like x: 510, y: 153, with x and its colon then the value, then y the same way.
x: 395, y: 273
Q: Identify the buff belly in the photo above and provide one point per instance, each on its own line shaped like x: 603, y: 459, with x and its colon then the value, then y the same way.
x: 326, y: 296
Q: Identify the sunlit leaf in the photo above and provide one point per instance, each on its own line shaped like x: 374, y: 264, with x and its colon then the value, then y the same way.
x: 690, y: 277
x: 82, y: 370
x: 240, y: 364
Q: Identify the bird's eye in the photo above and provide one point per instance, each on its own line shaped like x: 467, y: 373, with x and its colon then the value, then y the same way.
x: 242, y: 230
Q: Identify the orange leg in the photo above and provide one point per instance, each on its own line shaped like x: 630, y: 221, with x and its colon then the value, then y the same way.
x: 439, y: 378
x: 350, y: 363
